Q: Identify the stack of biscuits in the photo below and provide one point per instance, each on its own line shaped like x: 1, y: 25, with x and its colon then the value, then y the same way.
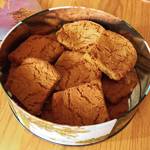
x: 80, y: 75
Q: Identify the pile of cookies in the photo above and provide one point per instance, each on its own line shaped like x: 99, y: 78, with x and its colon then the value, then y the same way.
x: 80, y: 75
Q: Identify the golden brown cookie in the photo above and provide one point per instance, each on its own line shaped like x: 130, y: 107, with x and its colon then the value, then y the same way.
x: 117, y: 110
x: 114, y: 55
x: 45, y: 47
x: 75, y: 70
x: 79, y: 34
x: 32, y: 82
x: 80, y: 105
x: 115, y: 90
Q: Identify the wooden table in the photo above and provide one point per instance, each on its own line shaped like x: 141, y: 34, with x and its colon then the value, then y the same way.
x: 136, y: 136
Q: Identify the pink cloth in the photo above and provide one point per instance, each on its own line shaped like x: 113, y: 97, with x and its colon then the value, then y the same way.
x: 6, y: 19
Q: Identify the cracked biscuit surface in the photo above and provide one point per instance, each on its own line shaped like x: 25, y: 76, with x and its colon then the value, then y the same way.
x: 75, y: 70
x: 32, y: 82
x: 114, y: 55
x: 80, y: 105
x: 45, y: 47
x: 79, y: 34
x: 115, y: 90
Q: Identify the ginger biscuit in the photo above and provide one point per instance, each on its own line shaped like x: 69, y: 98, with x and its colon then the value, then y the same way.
x: 32, y: 82
x: 80, y: 105
x: 45, y: 47
x: 75, y: 70
x: 79, y: 34
x: 117, y: 110
x: 114, y: 55
x: 115, y: 90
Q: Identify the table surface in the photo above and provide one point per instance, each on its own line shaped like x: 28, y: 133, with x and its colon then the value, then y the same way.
x: 135, y: 136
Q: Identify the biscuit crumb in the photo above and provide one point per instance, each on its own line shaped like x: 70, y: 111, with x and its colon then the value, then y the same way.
x: 21, y: 14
